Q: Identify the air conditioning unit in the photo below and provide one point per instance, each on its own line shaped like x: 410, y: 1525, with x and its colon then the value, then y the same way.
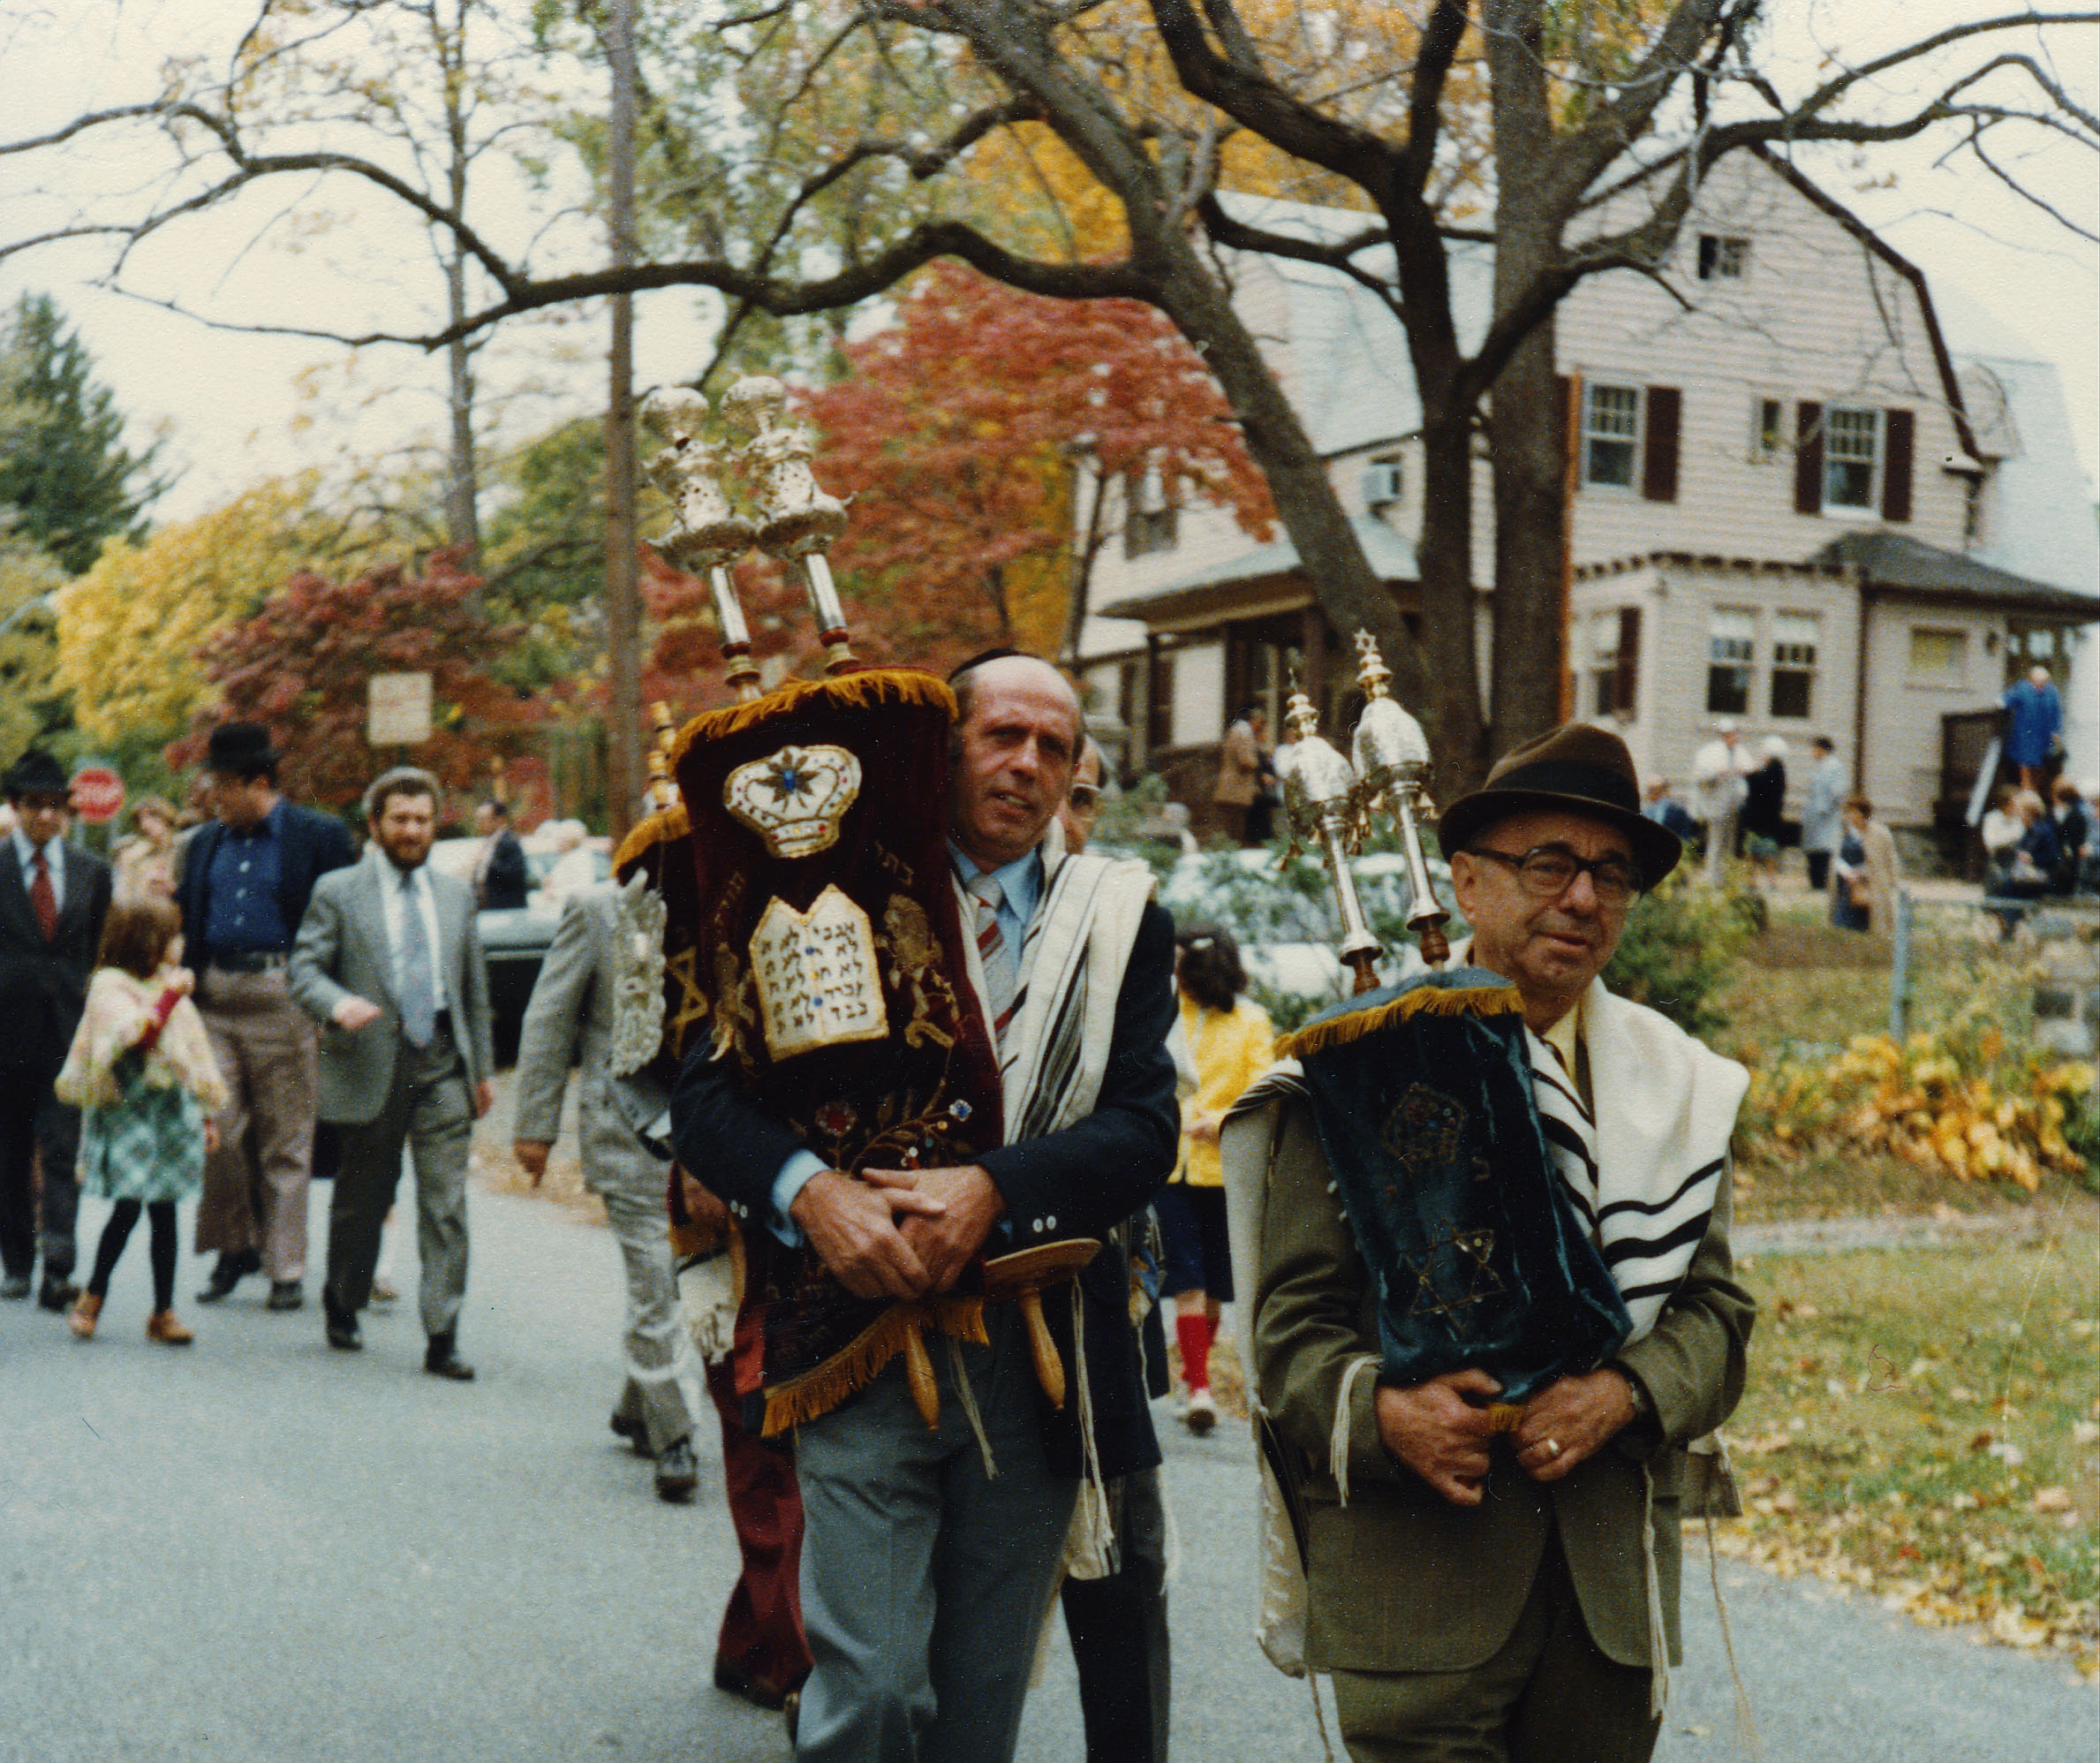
x: 1381, y: 483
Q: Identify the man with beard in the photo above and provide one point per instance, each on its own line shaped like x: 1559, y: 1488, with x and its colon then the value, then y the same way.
x: 389, y: 962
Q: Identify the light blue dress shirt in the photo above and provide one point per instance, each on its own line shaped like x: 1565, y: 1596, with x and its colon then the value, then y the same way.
x: 54, y: 858
x: 1021, y: 887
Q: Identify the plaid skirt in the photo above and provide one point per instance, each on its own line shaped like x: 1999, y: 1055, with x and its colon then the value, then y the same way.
x: 147, y: 1146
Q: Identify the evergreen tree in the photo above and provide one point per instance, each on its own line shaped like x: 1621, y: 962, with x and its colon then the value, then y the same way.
x: 65, y: 475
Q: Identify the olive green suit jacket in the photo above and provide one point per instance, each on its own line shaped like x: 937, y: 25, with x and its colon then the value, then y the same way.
x: 1400, y: 1580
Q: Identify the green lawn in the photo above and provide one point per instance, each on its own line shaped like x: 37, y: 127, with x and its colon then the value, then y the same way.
x: 1924, y: 1426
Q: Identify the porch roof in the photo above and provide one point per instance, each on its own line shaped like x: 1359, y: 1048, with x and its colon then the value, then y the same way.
x: 1212, y: 586
x: 1894, y: 562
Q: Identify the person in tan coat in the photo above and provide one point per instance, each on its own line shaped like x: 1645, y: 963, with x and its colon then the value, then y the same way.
x: 1480, y: 1594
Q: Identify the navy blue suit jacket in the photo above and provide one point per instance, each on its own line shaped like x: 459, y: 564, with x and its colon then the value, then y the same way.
x: 310, y: 844
x: 44, y: 984
x: 1080, y: 1181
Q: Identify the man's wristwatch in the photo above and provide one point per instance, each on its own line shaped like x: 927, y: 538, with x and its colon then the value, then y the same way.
x: 1643, y: 1404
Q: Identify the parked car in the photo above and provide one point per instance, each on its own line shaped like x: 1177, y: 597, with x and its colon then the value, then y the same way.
x: 516, y: 940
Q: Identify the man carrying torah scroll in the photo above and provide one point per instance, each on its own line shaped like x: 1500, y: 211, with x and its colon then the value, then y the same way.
x: 1494, y: 1301
x: 928, y: 1554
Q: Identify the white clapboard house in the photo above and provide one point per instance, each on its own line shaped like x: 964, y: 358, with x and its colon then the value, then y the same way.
x: 1810, y: 497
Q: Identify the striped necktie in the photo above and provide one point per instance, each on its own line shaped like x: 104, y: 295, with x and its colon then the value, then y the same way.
x: 1002, y: 971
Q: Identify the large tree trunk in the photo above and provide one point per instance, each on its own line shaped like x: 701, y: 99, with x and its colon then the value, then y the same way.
x: 1329, y: 551
x: 1526, y: 442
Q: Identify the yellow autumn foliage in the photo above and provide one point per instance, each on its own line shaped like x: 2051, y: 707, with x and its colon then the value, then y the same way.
x: 128, y: 630
x: 1953, y: 1102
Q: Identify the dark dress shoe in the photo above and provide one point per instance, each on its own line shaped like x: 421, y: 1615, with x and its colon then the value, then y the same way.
x: 677, y: 1474
x: 14, y: 1288
x: 286, y: 1294
x: 734, y: 1680
x: 441, y: 1360
x: 343, y: 1329
x: 231, y: 1271
x: 636, y: 1434
x: 57, y: 1292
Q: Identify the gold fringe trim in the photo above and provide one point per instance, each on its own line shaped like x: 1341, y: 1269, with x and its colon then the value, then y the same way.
x: 821, y: 1389
x: 661, y: 827
x: 846, y: 690
x: 1424, y: 999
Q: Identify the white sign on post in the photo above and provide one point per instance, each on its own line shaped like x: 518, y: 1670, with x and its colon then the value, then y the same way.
x: 398, y: 709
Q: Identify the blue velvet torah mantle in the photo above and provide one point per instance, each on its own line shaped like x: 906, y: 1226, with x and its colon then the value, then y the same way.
x: 1422, y: 1095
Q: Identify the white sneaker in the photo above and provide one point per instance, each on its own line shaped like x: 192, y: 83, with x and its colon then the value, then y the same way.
x: 1201, y: 1414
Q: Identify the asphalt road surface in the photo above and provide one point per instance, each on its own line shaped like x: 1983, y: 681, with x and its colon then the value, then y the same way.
x: 260, y: 1551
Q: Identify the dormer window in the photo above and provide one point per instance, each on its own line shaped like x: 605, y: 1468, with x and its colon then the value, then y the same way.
x: 1723, y: 258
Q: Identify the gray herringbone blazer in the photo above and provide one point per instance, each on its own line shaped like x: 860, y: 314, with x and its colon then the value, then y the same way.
x: 572, y: 1011
x: 341, y: 952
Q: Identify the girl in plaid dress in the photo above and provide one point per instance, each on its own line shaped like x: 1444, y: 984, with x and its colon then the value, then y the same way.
x: 141, y: 1071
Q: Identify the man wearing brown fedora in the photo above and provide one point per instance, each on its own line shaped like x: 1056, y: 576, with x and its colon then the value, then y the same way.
x: 1488, y: 1582
x: 247, y: 876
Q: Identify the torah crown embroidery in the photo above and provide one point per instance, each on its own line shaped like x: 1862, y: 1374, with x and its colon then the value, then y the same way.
x: 795, y: 799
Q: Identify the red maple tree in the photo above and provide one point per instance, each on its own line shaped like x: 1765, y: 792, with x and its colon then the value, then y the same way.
x: 957, y: 431
x: 299, y: 665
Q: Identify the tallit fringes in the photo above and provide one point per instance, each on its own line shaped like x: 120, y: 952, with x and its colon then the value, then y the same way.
x: 1482, y: 1001
x: 846, y: 692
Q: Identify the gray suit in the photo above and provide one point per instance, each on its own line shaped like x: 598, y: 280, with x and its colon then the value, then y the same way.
x: 572, y: 1011
x: 385, y: 1093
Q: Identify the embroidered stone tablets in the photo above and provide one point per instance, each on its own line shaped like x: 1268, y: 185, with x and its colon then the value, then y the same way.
x: 819, y: 984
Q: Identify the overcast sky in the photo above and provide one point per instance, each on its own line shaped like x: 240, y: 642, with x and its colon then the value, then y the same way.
x: 230, y: 403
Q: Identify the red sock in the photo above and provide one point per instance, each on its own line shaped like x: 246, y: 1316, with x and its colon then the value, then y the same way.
x: 1194, y: 1333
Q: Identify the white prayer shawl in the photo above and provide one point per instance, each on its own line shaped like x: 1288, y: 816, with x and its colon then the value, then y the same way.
x: 1646, y: 1173
x: 1052, y: 1060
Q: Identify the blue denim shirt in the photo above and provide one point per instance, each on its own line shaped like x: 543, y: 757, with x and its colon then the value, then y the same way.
x: 241, y: 913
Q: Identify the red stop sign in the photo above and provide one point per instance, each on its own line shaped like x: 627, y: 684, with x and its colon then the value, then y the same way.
x: 98, y: 794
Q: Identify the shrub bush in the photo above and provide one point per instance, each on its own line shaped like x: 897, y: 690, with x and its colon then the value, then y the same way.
x: 1679, y: 947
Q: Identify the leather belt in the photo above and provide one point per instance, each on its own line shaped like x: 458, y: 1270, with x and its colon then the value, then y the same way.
x: 247, y: 960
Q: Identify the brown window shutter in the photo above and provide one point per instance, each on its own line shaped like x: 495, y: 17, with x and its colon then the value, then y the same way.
x: 1623, y: 699
x: 1807, y: 459
x: 1899, y: 437
x: 1658, y: 465
x: 1564, y: 425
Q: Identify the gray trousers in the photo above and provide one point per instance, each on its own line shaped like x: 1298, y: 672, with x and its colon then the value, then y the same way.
x: 656, y: 1392
x: 1117, y: 1626
x: 256, y: 1182
x: 925, y: 1583
x: 429, y: 1109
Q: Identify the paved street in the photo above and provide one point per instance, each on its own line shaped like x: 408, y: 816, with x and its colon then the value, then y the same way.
x: 260, y: 1551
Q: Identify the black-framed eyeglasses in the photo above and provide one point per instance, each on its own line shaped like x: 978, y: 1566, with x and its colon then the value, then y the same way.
x: 1547, y: 871
x: 1085, y: 797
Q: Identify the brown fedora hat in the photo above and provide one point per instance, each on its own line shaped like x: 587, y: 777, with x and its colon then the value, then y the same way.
x: 1577, y: 768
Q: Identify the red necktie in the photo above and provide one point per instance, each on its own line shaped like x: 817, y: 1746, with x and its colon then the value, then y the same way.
x: 43, y: 899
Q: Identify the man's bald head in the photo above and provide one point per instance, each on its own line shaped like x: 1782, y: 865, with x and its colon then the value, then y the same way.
x: 1017, y: 735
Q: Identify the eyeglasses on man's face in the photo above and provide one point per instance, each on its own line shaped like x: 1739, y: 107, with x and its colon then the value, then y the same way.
x: 1548, y: 871
x: 1084, y: 797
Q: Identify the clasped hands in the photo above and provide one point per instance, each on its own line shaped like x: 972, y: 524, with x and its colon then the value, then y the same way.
x: 898, y: 1233
x: 1443, y: 1437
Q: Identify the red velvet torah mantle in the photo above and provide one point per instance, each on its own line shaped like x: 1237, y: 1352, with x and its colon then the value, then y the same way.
x: 828, y: 944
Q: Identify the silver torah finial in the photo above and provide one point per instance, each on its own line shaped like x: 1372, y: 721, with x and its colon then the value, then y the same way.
x: 1324, y: 801
x: 798, y: 520
x: 1392, y: 759
x: 707, y: 533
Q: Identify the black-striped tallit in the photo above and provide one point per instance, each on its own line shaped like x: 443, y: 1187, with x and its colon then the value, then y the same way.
x: 1646, y: 1172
